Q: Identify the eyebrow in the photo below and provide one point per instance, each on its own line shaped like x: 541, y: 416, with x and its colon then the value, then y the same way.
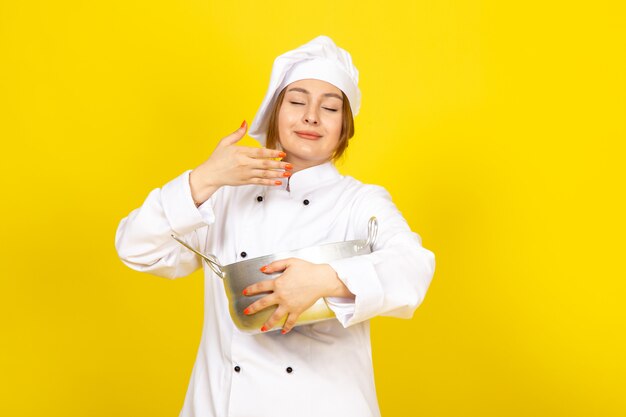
x: 302, y: 90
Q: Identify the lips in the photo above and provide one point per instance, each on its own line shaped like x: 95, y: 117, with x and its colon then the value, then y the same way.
x: 308, y: 134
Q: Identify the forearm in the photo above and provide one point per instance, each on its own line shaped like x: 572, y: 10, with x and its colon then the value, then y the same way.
x: 143, y: 239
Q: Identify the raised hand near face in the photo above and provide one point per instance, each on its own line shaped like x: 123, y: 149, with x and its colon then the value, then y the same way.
x: 230, y: 164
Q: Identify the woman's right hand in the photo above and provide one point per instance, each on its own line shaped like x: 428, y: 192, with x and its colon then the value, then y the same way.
x: 230, y: 164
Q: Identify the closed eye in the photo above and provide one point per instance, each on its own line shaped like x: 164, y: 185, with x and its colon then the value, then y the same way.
x: 302, y: 104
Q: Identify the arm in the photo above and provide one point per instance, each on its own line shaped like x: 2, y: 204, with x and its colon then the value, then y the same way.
x: 394, y: 278
x: 143, y: 239
x: 185, y: 205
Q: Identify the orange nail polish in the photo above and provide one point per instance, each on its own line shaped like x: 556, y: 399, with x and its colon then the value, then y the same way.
x: 278, y: 183
x: 286, y: 174
x: 283, y: 331
x: 288, y: 166
x: 282, y: 154
x: 264, y: 328
x: 245, y: 292
x: 246, y: 311
x: 264, y: 268
x: 243, y: 124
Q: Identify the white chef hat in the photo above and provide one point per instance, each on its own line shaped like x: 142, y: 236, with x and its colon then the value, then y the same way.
x: 318, y: 59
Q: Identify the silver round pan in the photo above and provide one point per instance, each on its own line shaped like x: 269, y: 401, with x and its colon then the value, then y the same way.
x: 239, y: 275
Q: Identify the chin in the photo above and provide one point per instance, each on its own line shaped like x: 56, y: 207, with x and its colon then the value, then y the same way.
x: 307, y: 152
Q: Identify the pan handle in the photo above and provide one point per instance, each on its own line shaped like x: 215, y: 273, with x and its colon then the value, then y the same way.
x: 211, y: 260
x: 372, y: 233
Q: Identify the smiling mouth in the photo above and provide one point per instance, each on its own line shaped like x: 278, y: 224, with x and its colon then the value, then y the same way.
x: 308, y: 136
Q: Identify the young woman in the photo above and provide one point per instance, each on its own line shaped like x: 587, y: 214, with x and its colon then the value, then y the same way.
x: 244, y: 203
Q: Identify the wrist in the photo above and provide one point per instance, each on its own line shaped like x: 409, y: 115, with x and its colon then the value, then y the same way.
x: 336, y: 287
x: 200, y: 191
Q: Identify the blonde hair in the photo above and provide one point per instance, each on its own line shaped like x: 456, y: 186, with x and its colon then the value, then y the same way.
x: 347, y: 126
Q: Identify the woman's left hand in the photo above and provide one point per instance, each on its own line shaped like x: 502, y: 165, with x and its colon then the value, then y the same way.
x: 300, y: 285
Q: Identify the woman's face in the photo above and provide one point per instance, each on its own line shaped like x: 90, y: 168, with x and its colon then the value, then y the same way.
x: 309, y: 122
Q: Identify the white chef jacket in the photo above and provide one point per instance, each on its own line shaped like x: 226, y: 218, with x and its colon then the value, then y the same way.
x: 321, y: 369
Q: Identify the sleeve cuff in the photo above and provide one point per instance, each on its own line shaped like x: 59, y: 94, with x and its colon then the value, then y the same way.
x: 181, y: 212
x: 360, y: 277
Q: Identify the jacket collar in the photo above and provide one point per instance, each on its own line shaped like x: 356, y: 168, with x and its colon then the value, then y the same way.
x: 310, y: 178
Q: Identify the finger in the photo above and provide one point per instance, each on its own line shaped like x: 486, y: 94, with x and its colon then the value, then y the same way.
x: 259, y: 287
x: 290, y: 323
x: 235, y: 136
x: 274, y: 319
x: 262, y: 181
x: 277, y: 266
x: 270, y: 173
x: 260, y: 163
x: 260, y: 153
x: 261, y: 304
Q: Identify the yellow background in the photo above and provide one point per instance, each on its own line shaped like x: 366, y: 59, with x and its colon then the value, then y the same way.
x: 497, y: 126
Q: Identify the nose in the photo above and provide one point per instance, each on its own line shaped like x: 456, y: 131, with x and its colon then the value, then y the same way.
x: 311, y: 116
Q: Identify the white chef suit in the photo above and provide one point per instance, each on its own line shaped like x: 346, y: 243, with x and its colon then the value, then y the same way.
x: 323, y: 369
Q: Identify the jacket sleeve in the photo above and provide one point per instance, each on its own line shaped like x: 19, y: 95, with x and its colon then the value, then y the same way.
x: 143, y: 239
x: 394, y: 278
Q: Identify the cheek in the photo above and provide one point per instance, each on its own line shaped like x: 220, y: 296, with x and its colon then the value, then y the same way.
x: 281, y: 120
x: 285, y: 121
x: 336, y: 128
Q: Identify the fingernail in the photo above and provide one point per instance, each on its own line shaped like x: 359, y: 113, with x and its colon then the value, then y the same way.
x: 278, y: 183
x: 283, y: 331
x: 282, y: 154
x: 243, y: 124
x: 264, y: 268
x: 264, y: 328
x: 286, y: 174
x: 246, y: 311
x: 288, y: 166
x: 245, y: 292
